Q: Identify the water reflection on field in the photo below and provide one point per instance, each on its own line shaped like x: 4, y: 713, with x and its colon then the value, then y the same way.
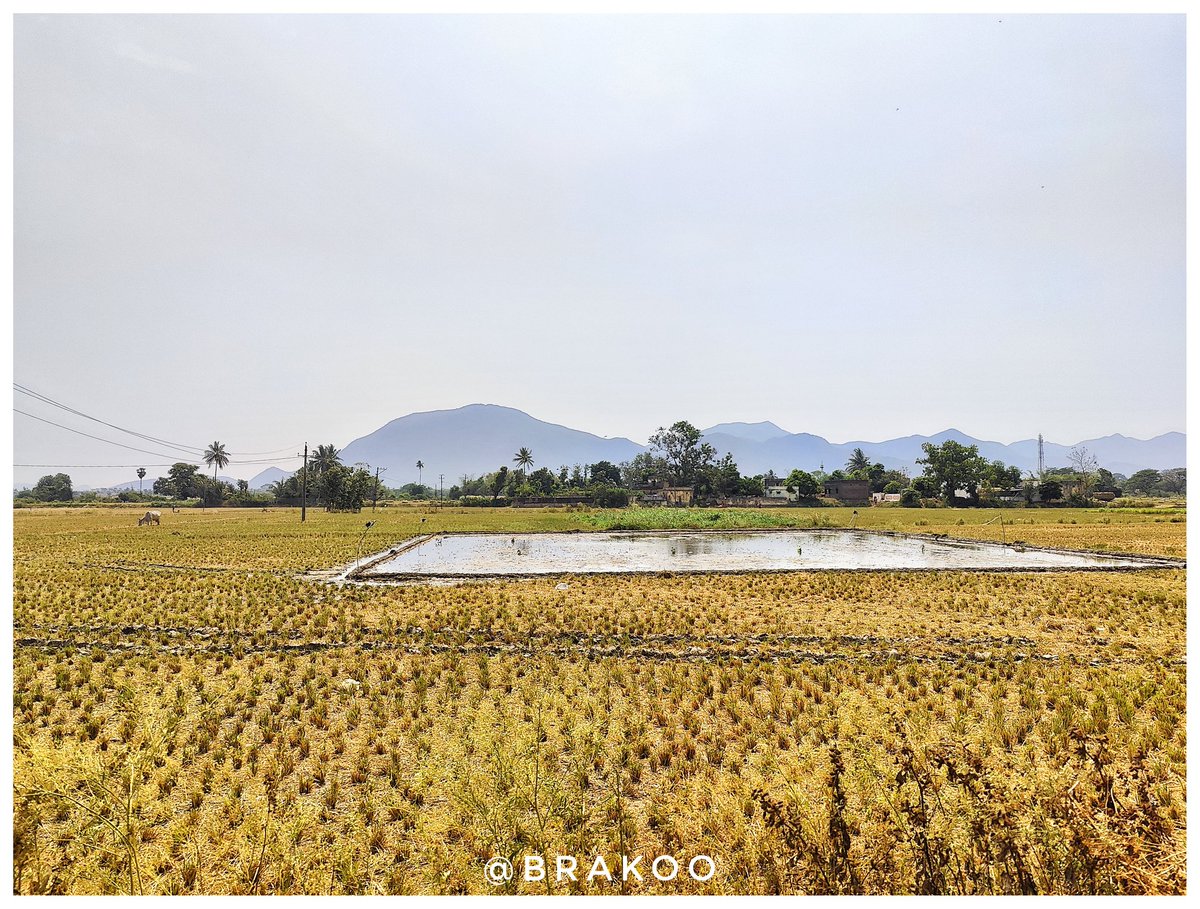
x: 491, y: 554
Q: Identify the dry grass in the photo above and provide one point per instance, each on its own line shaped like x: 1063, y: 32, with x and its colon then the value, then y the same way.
x: 188, y: 731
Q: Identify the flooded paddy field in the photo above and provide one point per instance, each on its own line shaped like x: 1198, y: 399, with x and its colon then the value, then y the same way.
x: 467, y: 555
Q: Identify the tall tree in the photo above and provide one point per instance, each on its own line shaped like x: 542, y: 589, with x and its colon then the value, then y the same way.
x: 498, y: 481
x: 1144, y: 482
x: 542, y: 480
x: 141, y: 472
x: 215, y: 457
x: 802, y: 484
x: 523, y: 459
x: 420, y: 468
x: 685, y: 455
x: 1173, y: 482
x: 643, y: 470
x: 1082, y: 461
x: 858, y: 461
x: 179, y: 483
x: 953, y: 466
x: 721, y: 478
x: 53, y: 488
x: 1085, y: 464
x: 606, y: 473
x: 323, y: 458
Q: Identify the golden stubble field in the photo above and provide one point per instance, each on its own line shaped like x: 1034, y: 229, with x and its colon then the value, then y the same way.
x: 191, y: 716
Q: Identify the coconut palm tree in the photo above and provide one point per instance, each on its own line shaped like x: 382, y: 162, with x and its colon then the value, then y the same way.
x: 322, y: 462
x: 323, y: 458
x: 523, y: 459
x: 858, y: 461
x: 420, y: 467
x: 216, y: 457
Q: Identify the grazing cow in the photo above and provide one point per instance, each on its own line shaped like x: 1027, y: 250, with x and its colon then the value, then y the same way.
x: 150, y: 517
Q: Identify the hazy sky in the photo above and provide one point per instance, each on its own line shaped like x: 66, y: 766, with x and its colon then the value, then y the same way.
x: 270, y: 229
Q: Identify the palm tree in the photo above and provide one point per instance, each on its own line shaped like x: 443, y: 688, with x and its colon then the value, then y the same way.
x: 216, y: 457
x: 141, y: 472
x: 858, y: 461
x: 523, y: 459
x: 323, y: 458
x: 321, y: 462
x: 420, y: 467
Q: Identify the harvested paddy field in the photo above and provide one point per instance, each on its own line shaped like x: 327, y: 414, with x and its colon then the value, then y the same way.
x: 196, y: 712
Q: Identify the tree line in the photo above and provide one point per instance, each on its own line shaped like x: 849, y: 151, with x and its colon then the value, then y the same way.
x: 678, y: 456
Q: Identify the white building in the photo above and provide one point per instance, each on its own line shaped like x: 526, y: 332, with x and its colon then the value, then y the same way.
x: 778, y: 491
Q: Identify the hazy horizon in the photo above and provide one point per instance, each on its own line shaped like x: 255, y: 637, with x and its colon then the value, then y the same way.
x: 262, y: 229
x: 245, y: 468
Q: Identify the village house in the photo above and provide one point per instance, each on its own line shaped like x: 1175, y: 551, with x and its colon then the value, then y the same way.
x: 852, y: 492
x: 679, y: 496
x: 778, y: 491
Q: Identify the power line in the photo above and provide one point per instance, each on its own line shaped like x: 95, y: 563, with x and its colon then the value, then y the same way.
x: 79, y: 432
x: 190, y: 449
x: 106, y: 466
x: 196, y: 450
x: 144, y: 464
x: 157, y: 454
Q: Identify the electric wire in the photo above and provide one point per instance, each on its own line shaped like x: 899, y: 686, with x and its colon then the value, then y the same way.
x: 197, y: 450
x: 190, y: 449
x: 157, y: 454
x: 80, y: 432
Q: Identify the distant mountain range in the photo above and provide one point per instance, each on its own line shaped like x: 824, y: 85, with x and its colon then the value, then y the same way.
x: 479, y: 438
x: 1117, y: 453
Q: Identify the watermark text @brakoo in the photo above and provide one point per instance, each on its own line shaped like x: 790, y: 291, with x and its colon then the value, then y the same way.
x: 631, y: 869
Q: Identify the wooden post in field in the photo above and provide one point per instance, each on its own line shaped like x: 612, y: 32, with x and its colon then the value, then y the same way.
x: 375, y: 500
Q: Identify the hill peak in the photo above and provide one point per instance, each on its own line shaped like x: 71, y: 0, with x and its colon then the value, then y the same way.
x: 477, y: 438
x: 754, y: 432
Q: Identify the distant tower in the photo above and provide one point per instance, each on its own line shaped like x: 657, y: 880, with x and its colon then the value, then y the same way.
x: 1041, y: 457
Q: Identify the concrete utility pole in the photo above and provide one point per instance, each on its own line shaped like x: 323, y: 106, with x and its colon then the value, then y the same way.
x: 441, y: 477
x: 375, y: 500
x: 304, y: 486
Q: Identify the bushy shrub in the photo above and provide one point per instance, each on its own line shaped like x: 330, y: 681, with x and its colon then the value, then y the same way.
x: 483, y: 501
x: 610, y: 497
